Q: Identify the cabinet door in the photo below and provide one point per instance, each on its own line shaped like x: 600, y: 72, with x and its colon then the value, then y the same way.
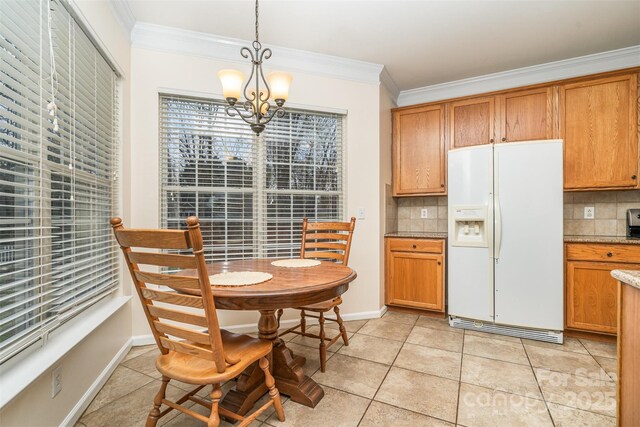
x: 419, y: 151
x: 472, y: 122
x: 415, y: 280
x: 598, y: 122
x: 591, y: 296
x: 526, y: 115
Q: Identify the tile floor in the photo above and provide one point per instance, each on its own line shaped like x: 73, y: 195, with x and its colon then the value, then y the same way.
x: 409, y: 370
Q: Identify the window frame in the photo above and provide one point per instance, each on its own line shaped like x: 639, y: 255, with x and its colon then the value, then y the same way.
x: 260, y: 189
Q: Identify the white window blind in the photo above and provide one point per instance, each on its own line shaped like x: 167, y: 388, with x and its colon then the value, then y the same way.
x: 57, y: 189
x: 250, y: 193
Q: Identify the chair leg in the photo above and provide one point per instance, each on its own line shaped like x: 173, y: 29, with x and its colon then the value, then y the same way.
x: 343, y: 331
x: 273, y: 391
x: 216, y: 395
x: 154, y: 414
x: 323, y: 346
x: 303, y: 323
x: 280, y: 311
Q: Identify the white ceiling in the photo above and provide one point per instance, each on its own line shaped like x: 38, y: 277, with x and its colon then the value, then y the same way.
x: 420, y: 42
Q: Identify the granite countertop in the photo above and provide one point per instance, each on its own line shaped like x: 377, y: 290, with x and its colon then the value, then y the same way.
x: 630, y: 277
x: 602, y: 239
x: 418, y: 234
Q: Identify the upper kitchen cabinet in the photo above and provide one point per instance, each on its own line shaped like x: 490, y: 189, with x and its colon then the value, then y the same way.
x: 471, y: 122
x: 598, y: 122
x: 419, y: 151
x: 526, y: 115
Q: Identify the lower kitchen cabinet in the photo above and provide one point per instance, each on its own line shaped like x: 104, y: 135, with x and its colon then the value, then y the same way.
x: 591, y: 293
x: 415, y: 273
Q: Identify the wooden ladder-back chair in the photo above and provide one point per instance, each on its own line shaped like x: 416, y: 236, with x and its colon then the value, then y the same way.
x: 326, y: 241
x: 193, y: 348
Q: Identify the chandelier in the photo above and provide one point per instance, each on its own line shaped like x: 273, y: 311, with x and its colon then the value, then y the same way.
x: 257, y: 109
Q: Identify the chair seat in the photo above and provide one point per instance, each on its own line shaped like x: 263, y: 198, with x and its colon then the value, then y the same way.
x: 195, y: 370
x: 323, y: 306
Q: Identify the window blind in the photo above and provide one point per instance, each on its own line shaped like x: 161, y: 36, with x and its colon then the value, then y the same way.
x: 249, y: 192
x: 57, y: 189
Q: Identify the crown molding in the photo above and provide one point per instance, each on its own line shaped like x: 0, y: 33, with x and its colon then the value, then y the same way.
x: 387, y: 81
x: 573, y: 67
x: 175, y: 40
x: 124, y: 15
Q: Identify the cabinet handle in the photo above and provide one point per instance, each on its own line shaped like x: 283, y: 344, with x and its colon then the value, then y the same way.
x: 491, y: 140
x: 442, y: 185
x: 439, y: 263
x: 504, y: 139
x: 634, y: 177
x: 609, y: 254
x: 414, y: 246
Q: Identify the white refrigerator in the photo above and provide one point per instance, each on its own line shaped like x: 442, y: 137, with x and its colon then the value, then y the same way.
x: 505, y: 245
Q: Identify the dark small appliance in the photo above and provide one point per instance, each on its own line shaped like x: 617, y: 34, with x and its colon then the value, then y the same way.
x: 633, y: 223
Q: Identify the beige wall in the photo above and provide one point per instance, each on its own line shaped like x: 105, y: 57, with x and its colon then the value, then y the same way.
x: 84, y: 363
x: 388, y: 207
x: 154, y: 71
x: 80, y: 367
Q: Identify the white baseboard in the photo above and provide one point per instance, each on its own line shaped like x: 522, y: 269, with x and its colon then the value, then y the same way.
x: 249, y: 328
x: 72, y: 418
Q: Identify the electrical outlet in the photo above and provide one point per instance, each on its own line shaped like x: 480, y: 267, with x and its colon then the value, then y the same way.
x: 361, y: 213
x: 424, y: 213
x: 56, y: 381
x: 589, y: 212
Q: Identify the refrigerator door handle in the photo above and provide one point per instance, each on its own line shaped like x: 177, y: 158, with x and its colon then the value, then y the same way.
x: 497, y: 209
x: 498, y: 223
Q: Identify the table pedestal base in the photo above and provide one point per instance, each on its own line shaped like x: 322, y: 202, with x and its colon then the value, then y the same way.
x: 287, y: 371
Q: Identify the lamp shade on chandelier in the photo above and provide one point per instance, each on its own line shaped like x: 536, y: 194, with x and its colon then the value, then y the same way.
x: 256, y: 109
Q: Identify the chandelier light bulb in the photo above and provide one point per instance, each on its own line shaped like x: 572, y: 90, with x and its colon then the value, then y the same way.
x: 231, y: 84
x: 279, y: 82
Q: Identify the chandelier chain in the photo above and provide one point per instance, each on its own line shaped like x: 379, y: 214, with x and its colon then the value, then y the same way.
x: 257, y: 39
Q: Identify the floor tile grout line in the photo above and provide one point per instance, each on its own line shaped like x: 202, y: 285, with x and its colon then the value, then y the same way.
x: 546, y: 405
x: 596, y: 360
x: 464, y: 333
x: 385, y: 375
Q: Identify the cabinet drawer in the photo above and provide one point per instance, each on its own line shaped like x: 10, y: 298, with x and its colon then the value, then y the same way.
x: 603, y: 252
x: 416, y: 245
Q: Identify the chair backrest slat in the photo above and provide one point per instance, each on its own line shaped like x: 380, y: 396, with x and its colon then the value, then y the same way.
x: 185, y: 334
x: 178, y: 316
x: 163, y: 260
x: 172, y: 298
x: 327, y: 236
x: 325, y: 245
x: 159, y: 239
x: 327, y: 240
x: 171, y: 280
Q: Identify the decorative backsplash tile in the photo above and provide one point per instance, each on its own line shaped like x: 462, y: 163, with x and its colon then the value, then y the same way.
x: 409, y: 210
x: 391, y: 211
x: 609, y: 216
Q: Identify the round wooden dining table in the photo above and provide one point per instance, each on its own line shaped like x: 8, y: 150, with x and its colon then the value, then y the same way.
x: 289, y: 288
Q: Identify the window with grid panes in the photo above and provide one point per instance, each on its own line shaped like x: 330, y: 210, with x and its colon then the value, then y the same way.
x: 250, y: 193
x: 57, y: 189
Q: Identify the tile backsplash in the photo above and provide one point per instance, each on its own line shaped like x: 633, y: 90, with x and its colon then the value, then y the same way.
x: 409, y: 214
x: 403, y: 214
x: 609, y: 216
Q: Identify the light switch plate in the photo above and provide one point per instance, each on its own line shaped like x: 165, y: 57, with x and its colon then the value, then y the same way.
x: 424, y: 213
x: 56, y: 380
x: 589, y: 212
x: 361, y: 213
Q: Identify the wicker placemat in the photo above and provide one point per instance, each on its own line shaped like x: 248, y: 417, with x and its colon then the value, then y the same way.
x: 296, y: 263
x: 239, y: 278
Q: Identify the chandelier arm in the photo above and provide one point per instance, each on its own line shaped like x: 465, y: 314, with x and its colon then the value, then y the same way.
x: 265, y: 54
x: 233, y: 110
x: 279, y: 111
